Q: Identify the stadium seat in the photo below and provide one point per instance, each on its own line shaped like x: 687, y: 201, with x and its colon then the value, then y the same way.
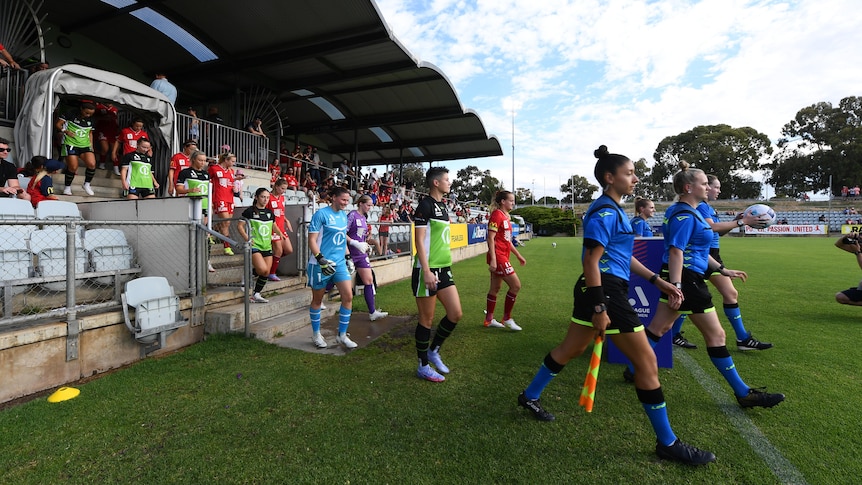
x: 16, y: 209
x: 157, y: 310
x: 49, y: 247
x: 16, y: 261
x: 108, y: 251
x: 57, y: 209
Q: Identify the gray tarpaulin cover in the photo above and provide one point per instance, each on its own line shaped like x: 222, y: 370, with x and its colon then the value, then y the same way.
x: 34, y: 125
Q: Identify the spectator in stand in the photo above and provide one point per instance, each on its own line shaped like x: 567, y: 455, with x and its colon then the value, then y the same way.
x: 107, y: 127
x: 292, y: 183
x: 180, y: 162
x: 9, y: 186
x: 281, y: 246
x: 856, y: 191
x: 274, y: 171
x: 6, y: 59
x: 844, y: 192
x: 822, y: 218
x: 309, y: 186
x: 386, y: 219
x: 77, y: 129
x: 312, y: 161
x: 194, y: 124
x: 345, y: 172
x: 222, y: 177
x: 162, y: 85
x: 406, y: 213
x: 136, y: 173
x: 128, y: 138
x: 255, y: 126
x: 41, y: 186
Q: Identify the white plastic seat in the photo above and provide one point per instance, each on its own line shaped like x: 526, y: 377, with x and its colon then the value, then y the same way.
x: 49, y: 247
x: 57, y: 209
x: 16, y: 261
x: 16, y: 209
x: 237, y: 202
x: 109, y: 251
x: 157, y: 310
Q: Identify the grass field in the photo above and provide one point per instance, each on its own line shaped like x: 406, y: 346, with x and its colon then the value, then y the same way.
x: 231, y: 410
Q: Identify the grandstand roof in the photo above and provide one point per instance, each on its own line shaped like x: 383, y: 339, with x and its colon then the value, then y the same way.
x: 337, y: 71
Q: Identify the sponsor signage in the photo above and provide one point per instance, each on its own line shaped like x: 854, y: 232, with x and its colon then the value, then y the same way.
x: 477, y: 233
x: 791, y: 229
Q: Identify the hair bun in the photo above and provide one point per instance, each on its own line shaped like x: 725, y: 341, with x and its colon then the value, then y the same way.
x: 683, y: 165
x: 601, y: 152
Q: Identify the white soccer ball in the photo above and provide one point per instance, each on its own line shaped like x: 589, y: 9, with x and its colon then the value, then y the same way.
x: 553, y: 245
x: 761, y: 210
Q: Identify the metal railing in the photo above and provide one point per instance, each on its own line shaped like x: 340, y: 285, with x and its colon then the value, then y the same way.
x: 252, y: 151
x: 12, y: 82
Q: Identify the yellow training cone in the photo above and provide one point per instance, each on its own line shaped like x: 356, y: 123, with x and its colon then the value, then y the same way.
x: 63, y: 394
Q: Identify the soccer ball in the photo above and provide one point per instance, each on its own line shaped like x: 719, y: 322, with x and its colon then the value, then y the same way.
x: 553, y: 245
x: 760, y: 210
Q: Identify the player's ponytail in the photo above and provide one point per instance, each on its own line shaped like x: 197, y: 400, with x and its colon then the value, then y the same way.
x: 607, y: 163
x: 499, y: 197
x: 686, y: 176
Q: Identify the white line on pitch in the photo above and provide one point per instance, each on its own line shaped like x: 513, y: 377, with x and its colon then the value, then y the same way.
x: 781, y: 467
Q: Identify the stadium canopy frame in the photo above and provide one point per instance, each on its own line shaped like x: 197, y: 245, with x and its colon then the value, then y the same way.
x: 341, y: 79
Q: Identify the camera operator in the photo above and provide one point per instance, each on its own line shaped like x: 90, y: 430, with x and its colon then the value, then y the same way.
x: 850, y: 243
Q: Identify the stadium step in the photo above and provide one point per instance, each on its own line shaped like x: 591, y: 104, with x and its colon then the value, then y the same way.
x: 285, y: 311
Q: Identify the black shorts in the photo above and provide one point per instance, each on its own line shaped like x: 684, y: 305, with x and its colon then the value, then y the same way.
x: 694, y: 289
x: 620, y: 311
x: 714, y: 252
x: 853, y: 294
x: 69, y: 150
x: 444, y: 277
x: 141, y: 192
x: 265, y: 254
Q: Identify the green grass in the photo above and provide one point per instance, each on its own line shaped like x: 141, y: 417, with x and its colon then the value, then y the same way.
x: 231, y: 410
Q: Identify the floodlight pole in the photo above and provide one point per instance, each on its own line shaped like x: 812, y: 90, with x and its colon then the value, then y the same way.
x: 513, y: 148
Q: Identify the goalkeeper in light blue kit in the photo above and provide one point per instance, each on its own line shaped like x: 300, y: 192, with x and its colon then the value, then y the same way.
x: 329, y: 262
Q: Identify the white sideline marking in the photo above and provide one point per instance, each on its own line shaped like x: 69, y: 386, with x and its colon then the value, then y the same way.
x: 781, y: 467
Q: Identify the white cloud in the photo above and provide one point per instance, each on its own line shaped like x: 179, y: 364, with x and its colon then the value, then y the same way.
x: 627, y: 73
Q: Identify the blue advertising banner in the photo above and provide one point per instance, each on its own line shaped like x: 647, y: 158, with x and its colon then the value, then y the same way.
x: 477, y: 233
x: 643, y: 297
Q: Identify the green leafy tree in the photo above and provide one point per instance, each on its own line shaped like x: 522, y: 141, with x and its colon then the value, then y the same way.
x: 821, y: 140
x: 548, y: 221
x: 523, y: 196
x: 720, y: 150
x: 580, y: 187
x: 548, y: 200
x: 474, y: 185
x: 653, y: 184
x: 412, y: 172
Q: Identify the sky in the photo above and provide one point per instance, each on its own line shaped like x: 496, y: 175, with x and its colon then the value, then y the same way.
x: 576, y: 74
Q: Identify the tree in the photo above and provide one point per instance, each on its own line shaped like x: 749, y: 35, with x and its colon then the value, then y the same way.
x: 473, y: 185
x: 819, y: 141
x: 719, y: 150
x: 653, y: 184
x: 582, y: 189
x: 523, y: 196
x: 411, y: 172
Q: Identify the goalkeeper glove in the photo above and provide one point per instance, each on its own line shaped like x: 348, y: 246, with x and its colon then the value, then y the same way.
x: 361, y: 246
x: 351, y: 268
x: 327, y: 266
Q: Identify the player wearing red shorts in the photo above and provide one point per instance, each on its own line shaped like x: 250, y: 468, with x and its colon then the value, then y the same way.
x: 221, y: 175
x: 499, y: 247
x: 281, y: 246
x: 107, y: 128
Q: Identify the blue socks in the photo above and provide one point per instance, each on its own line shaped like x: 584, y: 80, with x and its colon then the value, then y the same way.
x: 722, y: 361
x: 677, y: 325
x: 315, y: 319
x: 343, y: 319
x: 549, y: 369
x: 656, y: 410
x: 735, y: 316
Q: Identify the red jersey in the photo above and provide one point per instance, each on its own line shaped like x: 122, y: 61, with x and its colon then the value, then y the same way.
x: 222, y: 195
x: 106, y: 123
x: 179, y: 162
x: 129, y: 139
x: 276, y: 205
x: 291, y: 181
x: 501, y: 226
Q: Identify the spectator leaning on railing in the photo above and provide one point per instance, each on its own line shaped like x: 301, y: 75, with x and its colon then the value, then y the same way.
x: 6, y: 58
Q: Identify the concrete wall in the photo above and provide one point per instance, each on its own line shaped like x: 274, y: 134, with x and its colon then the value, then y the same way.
x: 33, y: 359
